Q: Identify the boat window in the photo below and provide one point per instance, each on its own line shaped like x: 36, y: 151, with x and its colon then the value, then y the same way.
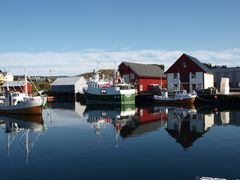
x: 103, y: 91
x: 15, y: 95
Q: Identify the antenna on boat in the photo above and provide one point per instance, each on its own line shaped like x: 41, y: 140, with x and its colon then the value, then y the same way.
x: 98, y: 62
x: 7, y: 86
x: 25, y: 81
x: 97, y: 73
x: 114, y: 70
x: 50, y: 75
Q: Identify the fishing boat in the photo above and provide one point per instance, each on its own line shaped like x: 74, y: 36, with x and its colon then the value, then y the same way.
x: 179, y: 97
x: 21, y: 103
x: 111, y: 91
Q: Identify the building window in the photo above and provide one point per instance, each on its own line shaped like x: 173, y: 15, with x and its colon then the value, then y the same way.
x: 193, y: 75
x: 141, y: 87
x: 184, y: 64
x: 193, y: 86
x: 175, y: 75
x: 175, y: 87
x: 132, y: 76
x: 199, y: 86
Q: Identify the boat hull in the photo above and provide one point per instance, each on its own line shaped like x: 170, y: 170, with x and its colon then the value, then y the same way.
x: 117, y: 98
x: 168, y: 101
x: 24, y: 110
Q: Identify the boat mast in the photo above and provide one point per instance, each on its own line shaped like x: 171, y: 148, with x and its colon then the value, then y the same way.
x: 27, y: 146
x: 114, y: 73
x: 97, y: 73
x: 25, y: 82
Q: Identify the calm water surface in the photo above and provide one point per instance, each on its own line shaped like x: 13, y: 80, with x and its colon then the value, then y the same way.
x: 73, y: 141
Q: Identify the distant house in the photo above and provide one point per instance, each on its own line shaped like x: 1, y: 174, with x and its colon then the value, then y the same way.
x: 68, y: 85
x: 233, y: 73
x: 188, y: 73
x: 17, y: 86
x: 5, y: 76
x: 142, y: 75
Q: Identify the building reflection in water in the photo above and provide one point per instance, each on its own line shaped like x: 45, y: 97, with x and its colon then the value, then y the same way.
x: 145, y: 120
x: 24, y: 130
x: 60, y: 114
x: 186, y: 125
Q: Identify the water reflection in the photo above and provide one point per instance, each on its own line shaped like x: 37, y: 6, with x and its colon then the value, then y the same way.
x: 185, y: 124
x: 146, y: 137
x: 145, y: 120
x: 61, y: 114
x: 100, y: 116
x: 23, y: 131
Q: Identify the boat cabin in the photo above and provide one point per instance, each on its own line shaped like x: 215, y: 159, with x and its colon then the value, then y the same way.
x: 12, y: 98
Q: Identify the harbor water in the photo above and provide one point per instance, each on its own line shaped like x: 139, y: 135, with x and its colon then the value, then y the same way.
x: 74, y: 141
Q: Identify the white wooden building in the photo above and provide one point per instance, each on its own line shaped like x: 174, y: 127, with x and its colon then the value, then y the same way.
x: 68, y: 85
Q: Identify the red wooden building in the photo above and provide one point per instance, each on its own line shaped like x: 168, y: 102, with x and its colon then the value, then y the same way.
x: 188, y: 73
x: 142, y: 75
x: 17, y: 86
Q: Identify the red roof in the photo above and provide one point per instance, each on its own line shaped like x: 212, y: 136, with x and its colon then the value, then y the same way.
x: 196, y: 65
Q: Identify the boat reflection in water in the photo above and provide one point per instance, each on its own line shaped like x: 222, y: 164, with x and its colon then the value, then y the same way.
x: 145, y: 120
x: 24, y: 130
x: 100, y: 116
x: 128, y: 120
x: 185, y: 124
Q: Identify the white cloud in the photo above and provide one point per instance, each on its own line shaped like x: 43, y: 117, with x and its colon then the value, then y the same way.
x: 73, y: 63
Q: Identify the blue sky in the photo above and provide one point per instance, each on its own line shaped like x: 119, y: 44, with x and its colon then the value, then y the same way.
x: 63, y: 34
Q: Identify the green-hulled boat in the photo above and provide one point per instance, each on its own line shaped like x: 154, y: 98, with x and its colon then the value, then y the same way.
x: 100, y: 91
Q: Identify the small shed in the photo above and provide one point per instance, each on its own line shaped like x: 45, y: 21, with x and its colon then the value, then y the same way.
x: 17, y: 86
x: 68, y: 85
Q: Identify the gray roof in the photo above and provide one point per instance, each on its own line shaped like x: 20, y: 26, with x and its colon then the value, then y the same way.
x: 227, y: 69
x: 66, y: 81
x: 201, y: 65
x: 144, y: 70
x: 13, y: 83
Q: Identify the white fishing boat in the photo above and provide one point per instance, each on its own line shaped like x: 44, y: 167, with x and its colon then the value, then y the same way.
x: 179, y: 97
x: 21, y: 103
x: 112, y: 91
